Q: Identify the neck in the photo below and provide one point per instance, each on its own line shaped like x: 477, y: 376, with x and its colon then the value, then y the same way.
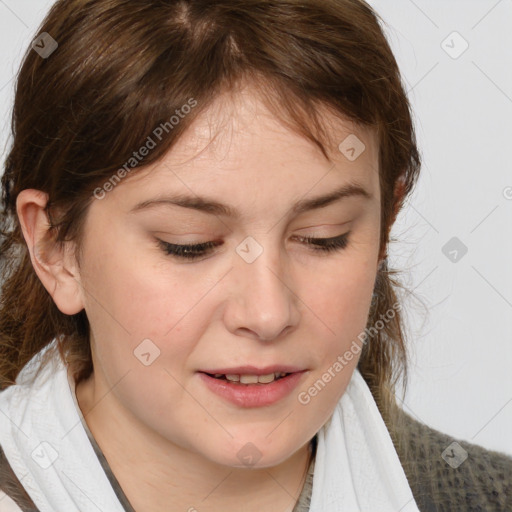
x: 155, y: 472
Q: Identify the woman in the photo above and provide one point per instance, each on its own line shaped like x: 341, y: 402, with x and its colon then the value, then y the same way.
x: 196, y: 311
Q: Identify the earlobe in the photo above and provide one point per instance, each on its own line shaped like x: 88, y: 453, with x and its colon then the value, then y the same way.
x: 52, y: 262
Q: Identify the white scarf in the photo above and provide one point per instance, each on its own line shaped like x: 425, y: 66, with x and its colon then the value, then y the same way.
x: 356, y: 467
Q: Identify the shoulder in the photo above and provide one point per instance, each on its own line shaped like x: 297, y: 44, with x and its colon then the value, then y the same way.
x: 447, y: 473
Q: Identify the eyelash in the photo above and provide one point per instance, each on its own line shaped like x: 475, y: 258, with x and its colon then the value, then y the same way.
x: 192, y: 252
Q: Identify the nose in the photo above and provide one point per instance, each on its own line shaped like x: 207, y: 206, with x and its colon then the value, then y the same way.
x: 263, y: 303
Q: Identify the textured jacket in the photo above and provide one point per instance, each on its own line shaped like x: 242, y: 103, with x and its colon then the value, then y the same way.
x: 439, y: 481
x: 445, y: 474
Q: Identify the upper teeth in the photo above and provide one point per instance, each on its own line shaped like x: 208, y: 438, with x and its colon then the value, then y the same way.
x: 253, y: 379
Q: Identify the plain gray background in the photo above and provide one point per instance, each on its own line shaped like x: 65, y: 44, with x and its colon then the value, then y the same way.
x: 455, y: 57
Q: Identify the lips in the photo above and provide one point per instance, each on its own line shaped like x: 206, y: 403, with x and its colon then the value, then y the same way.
x: 252, y: 394
x: 253, y: 370
x: 250, y: 379
x: 251, y: 374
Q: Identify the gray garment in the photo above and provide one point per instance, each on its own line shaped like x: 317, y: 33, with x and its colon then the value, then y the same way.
x: 304, y: 500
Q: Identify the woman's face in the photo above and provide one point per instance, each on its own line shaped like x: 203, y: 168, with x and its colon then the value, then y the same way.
x: 262, y: 296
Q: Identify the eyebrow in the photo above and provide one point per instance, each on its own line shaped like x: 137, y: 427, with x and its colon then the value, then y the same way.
x: 213, y: 207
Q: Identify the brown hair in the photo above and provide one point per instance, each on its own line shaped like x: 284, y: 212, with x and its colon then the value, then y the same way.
x: 123, y: 67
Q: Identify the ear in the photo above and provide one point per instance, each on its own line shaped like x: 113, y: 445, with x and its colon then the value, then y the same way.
x: 399, y: 194
x: 398, y: 198
x: 53, y: 263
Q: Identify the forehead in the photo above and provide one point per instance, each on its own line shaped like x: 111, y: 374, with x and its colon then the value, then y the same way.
x: 238, y: 147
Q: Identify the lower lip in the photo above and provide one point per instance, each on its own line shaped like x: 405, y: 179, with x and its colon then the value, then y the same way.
x: 253, y: 395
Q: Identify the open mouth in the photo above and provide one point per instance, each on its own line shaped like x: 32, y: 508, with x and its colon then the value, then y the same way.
x: 248, y: 380
x: 246, y: 390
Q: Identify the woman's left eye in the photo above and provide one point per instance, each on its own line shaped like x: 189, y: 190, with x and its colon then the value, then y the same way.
x: 195, y: 251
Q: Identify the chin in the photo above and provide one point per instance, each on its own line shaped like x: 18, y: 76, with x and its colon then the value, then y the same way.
x: 250, y: 455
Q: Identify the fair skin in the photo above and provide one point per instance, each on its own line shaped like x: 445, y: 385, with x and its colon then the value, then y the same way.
x: 167, y: 437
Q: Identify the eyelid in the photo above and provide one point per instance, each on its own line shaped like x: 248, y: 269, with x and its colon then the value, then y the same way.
x: 209, y: 239
x: 213, y: 242
x: 199, y: 251
x: 327, y: 224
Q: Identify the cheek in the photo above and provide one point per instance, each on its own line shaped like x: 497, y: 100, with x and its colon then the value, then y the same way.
x: 339, y: 304
x: 141, y: 301
x: 340, y: 298
x: 131, y: 289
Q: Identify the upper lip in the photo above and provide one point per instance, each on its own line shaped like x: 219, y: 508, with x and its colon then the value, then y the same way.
x: 253, y: 370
